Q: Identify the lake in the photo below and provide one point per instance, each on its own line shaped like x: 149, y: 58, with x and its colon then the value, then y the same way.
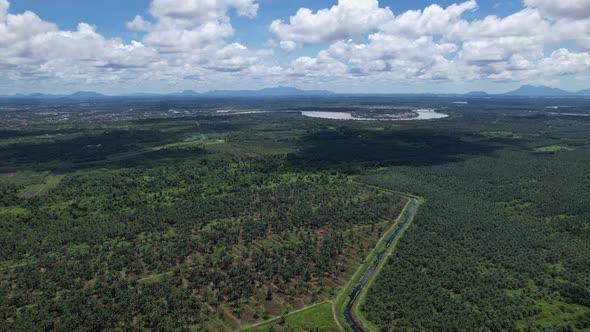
x: 423, y: 114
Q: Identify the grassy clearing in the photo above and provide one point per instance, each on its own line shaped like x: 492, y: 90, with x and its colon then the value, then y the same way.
x: 258, y: 147
x: 559, y: 217
x: 497, y: 134
x: 315, y: 318
x: 557, y: 268
x: 13, y: 211
x: 25, y: 178
x: 553, y: 314
x: 552, y: 148
x: 11, y: 264
x: 155, y: 277
x: 319, y: 318
x: 50, y: 181
x: 515, y: 204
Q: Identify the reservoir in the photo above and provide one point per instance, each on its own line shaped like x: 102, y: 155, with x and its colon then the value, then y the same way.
x: 423, y: 114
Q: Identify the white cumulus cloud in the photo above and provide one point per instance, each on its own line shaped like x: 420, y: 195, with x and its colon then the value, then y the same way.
x: 175, y: 47
x: 433, y: 20
x: 139, y: 24
x: 362, y: 43
x: 288, y: 45
x: 3, y: 8
x: 437, y: 43
x: 576, y: 9
x: 346, y: 19
x: 198, y: 11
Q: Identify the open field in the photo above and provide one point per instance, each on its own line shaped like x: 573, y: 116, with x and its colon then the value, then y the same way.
x: 553, y: 148
x: 318, y: 317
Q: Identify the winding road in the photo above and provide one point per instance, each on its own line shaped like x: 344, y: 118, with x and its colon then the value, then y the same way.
x: 350, y: 320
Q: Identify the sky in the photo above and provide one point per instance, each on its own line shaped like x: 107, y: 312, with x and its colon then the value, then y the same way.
x: 349, y: 46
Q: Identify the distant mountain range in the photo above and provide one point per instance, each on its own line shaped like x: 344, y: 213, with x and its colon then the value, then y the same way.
x: 528, y: 91
x: 285, y: 91
x: 282, y: 91
x: 543, y: 91
x: 270, y: 92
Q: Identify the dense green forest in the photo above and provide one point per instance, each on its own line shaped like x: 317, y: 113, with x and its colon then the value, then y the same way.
x: 188, y: 215
x: 503, y: 242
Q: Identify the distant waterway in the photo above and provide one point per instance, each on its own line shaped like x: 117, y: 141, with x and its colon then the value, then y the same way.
x: 238, y: 112
x: 569, y: 114
x: 423, y: 114
x: 331, y: 115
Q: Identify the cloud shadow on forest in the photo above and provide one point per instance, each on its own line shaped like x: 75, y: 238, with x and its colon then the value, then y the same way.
x: 408, y: 147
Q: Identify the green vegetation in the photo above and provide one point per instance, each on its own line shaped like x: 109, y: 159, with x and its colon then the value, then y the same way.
x: 481, y: 253
x: 195, y: 231
x: 156, y: 228
x: 315, y: 318
x: 362, y: 299
x: 498, y: 134
x: 319, y: 318
x: 297, y: 321
x: 173, y: 216
x: 553, y: 148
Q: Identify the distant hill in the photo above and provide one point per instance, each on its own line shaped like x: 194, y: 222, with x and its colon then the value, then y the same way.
x: 281, y: 91
x: 290, y: 91
x: 82, y: 95
x: 538, y: 91
x: 477, y: 94
x: 585, y: 92
x: 142, y: 95
x: 86, y: 95
x: 185, y: 94
x: 35, y: 96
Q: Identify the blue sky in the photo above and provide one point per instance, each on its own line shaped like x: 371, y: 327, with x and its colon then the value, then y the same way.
x: 110, y: 16
x: 346, y: 45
